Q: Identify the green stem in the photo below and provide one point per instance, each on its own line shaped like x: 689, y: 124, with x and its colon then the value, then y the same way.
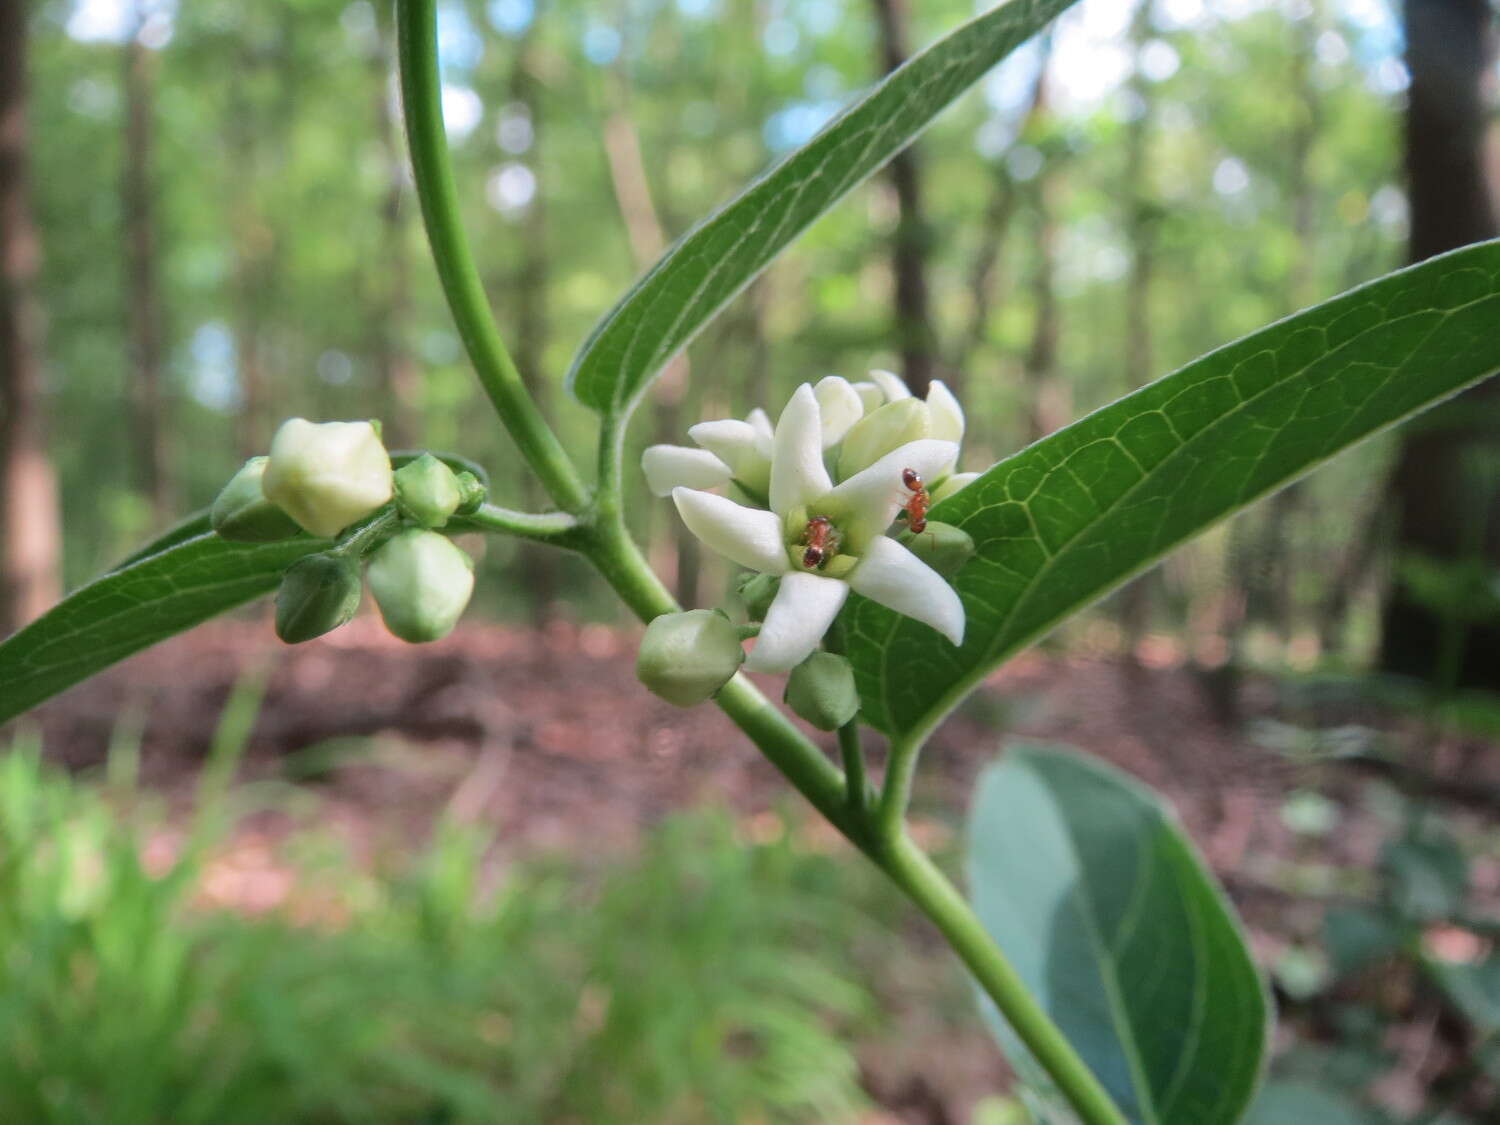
x: 421, y: 98
x: 857, y: 785
x: 911, y: 870
x: 547, y: 527
x: 895, y: 793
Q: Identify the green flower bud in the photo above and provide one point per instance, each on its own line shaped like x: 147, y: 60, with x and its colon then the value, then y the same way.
x: 242, y: 513
x: 941, y: 546
x: 686, y: 657
x: 317, y: 595
x: 326, y: 476
x: 427, y: 491
x: 821, y: 691
x: 882, y: 430
x: 471, y: 493
x: 421, y: 583
x: 757, y: 591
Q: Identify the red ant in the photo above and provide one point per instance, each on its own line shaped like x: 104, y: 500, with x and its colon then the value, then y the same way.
x: 821, y: 540
x: 915, y: 508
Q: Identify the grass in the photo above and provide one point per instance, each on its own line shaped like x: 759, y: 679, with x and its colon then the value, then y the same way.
x: 703, y: 980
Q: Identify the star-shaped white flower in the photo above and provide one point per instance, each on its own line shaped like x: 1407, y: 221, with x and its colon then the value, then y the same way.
x: 824, y: 540
x: 740, y: 452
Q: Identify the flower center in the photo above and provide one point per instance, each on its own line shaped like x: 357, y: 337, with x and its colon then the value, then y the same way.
x: 820, y: 540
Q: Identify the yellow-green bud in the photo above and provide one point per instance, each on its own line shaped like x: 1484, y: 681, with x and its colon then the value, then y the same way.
x: 880, y: 431
x: 421, y: 582
x: 686, y: 657
x: 427, y: 491
x: 941, y: 546
x: 471, y: 493
x: 326, y: 476
x: 952, y: 485
x: 757, y: 591
x: 317, y: 595
x: 242, y: 513
x: 821, y: 691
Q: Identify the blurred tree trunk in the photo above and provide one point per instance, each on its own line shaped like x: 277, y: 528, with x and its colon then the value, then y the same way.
x: 30, y: 530
x: 150, y: 430
x: 1142, y: 217
x: 915, y: 336
x: 532, y: 282
x: 632, y: 189
x: 1047, y: 398
x: 251, y: 240
x: 400, y: 379
x: 1443, y: 507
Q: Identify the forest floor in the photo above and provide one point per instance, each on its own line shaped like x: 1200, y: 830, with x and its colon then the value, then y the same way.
x: 547, y: 735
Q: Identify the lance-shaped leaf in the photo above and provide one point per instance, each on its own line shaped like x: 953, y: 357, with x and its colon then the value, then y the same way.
x: 140, y: 603
x: 1066, y: 520
x: 1092, y: 890
x: 714, y: 261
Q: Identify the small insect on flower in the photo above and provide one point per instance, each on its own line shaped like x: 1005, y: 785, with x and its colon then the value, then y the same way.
x: 917, y: 504
x: 821, y: 540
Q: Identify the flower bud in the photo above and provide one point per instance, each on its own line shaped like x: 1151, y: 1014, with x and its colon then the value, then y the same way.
x: 952, y: 485
x: 427, y: 491
x: 421, y: 583
x: 941, y: 546
x: 686, y: 657
x: 757, y: 591
x: 471, y: 493
x: 880, y: 431
x: 242, y: 513
x: 821, y: 691
x: 317, y: 595
x: 326, y: 476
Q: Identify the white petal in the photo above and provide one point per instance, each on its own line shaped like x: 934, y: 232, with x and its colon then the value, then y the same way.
x: 952, y: 485
x: 748, y: 536
x: 893, y: 576
x: 739, y: 446
x: 947, y: 414
x: 870, y: 395
x: 840, y: 406
x: 891, y: 383
x: 764, y: 432
x: 670, y: 466
x: 804, y: 607
x: 865, y: 504
x: 797, y: 472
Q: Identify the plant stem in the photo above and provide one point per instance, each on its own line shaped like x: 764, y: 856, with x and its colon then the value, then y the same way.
x: 421, y: 98
x: 895, y: 793
x: 911, y: 869
x: 857, y: 795
x: 547, y: 527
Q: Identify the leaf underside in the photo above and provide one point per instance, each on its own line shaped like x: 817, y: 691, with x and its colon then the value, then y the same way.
x: 1066, y: 520
x: 698, y: 276
x: 1103, y: 906
x: 143, y: 601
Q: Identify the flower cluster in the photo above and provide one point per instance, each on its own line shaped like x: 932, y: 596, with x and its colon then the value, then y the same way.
x: 335, y: 481
x: 811, y: 502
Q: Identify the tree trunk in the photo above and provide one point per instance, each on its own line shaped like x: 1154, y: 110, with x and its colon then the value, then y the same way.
x: 1141, y: 221
x: 30, y: 529
x: 914, y: 333
x: 143, y: 313
x: 1443, y: 510
x: 400, y: 379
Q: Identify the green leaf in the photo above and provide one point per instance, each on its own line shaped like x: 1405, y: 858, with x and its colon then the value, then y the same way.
x: 667, y: 307
x: 1282, y: 1103
x: 135, y: 606
x: 1064, y: 521
x: 1101, y: 903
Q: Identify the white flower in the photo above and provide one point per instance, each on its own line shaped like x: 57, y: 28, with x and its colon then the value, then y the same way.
x: 740, y: 452
x: 326, y: 476
x: 824, y: 540
x: 941, y: 417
